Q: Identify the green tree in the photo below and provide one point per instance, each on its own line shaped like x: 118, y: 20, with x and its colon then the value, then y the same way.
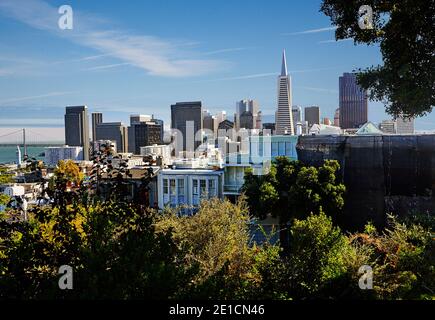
x: 291, y: 190
x: 405, y: 32
x: 317, y: 255
x: 402, y: 257
x: 5, y: 177
x: 111, y: 245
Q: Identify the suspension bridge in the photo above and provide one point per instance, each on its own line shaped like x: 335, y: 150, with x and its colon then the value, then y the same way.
x: 25, y: 136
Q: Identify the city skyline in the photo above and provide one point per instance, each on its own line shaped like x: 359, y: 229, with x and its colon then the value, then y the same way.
x: 38, y: 81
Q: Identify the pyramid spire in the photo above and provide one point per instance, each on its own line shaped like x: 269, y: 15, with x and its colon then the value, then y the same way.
x: 284, y: 64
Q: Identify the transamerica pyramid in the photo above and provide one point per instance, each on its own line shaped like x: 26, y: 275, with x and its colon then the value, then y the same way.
x: 283, y: 115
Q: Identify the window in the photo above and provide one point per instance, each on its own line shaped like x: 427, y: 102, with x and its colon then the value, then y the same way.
x: 274, y: 149
x: 173, y: 192
x: 180, y: 191
x: 195, y: 200
x: 165, y: 186
x: 288, y: 149
x: 203, y: 188
x: 211, y: 188
x: 260, y: 148
x: 281, y: 150
x: 165, y: 192
x: 195, y: 187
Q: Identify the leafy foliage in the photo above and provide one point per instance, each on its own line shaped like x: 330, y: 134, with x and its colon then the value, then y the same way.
x: 403, y: 257
x: 292, y: 190
x: 318, y: 251
x: 405, y: 31
x: 121, y: 249
x: 4, y: 176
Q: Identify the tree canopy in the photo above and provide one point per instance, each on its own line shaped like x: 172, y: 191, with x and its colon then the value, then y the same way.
x: 292, y: 190
x: 405, y: 32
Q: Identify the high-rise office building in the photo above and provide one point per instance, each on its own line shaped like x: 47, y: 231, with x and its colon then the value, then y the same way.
x: 209, y: 122
x: 162, y: 127
x: 269, y: 126
x: 77, y: 128
x: 246, y: 120
x: 283, y: 115
x: 353, y: 102
x: 187, y: 118
x: 136, y: 119
x: 405, y: 126
x: 312, y: 115
x: 250, y: 106
x: 97, y: 118
x: 114, y: 131
x: 221, y: 116
x: 296, y: 114
x: 337, y: 117
x: 146, y: 134
x: 259, y: 121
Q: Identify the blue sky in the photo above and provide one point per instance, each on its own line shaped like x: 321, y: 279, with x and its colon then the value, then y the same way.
x: 144, y: 56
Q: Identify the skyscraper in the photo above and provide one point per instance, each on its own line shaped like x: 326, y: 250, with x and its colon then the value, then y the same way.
x: 77, y: 128
x: 146, y: 134
x: 312, y: 115
x: 187, y: 118
x: 97, y: 118
x: 353, y: 102
x: 114, y: 131
x: 283, y: 115
x: 297, y: 114
x: 133, y: 138
x: 337, y: 117
x: 209, y: 122
x: 246, y: 120
x: 250, y: 106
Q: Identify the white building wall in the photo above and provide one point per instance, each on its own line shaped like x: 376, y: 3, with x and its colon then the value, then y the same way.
x: 54, y: 154
x: 188, y: 187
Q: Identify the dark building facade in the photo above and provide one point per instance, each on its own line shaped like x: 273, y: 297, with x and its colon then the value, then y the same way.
x: 226, y: 125
x: 353, y: 102
x: 247, y: 120
x: 146, y: 134
x: 187, y: 117
x: 138, y: 119
x: 312, y: 115
x: 97, y: 118
x: 77, y: 128
x: 269, y: 126
x: 114, y: 131
x: 382, y: 174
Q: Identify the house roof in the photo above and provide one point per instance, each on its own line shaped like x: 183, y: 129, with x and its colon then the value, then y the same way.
x: 369, y: 129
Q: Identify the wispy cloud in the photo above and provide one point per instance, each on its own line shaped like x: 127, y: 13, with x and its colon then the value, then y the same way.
x: 109, y: 66
x: 310, y: 31
x: 334, y: 41
x: 242, y: 77
x: 46, y: 95
x: 225, y: 51
x: 268, y: 74
x: 154, y: 55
